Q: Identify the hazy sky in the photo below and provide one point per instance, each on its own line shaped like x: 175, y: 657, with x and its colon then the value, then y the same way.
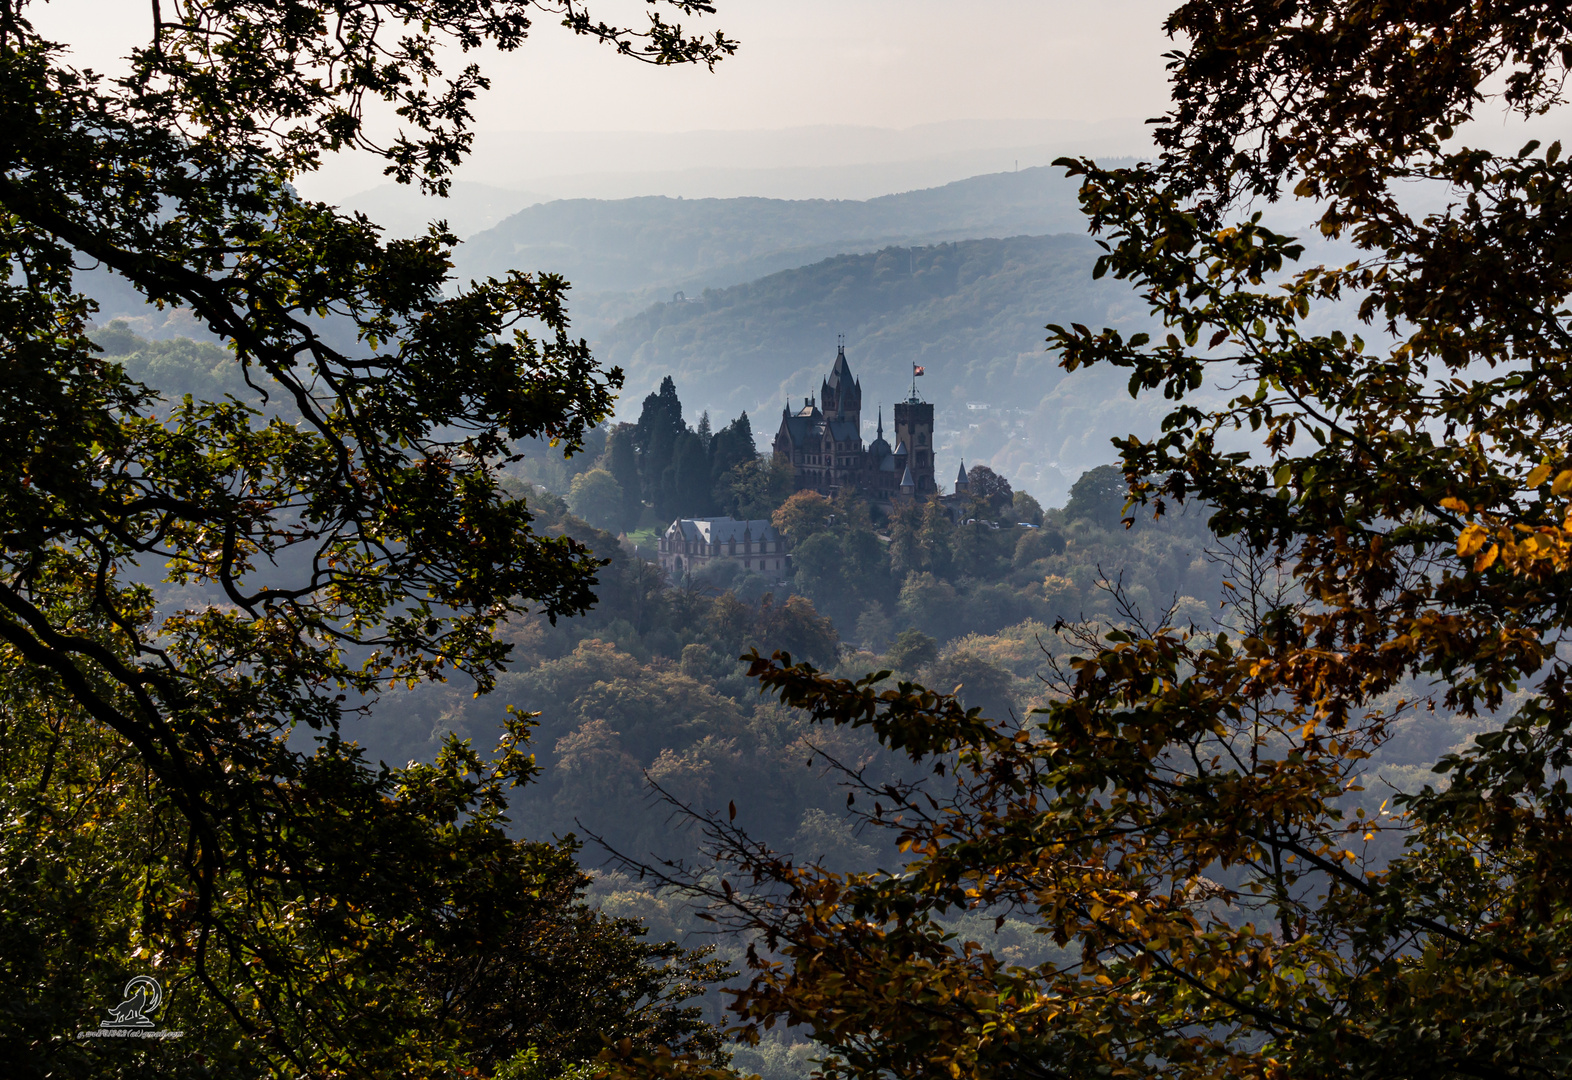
x: 880, y: 63
x: 889, y: 64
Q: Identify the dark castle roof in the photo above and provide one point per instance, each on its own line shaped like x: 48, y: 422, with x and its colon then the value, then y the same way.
x: 841, y: 392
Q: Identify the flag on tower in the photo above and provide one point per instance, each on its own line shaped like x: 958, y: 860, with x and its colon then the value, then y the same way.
x: 916, y: 370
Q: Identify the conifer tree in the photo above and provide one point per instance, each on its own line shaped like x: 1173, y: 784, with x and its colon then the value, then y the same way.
x: 655, y: 437
x: 622, y: 461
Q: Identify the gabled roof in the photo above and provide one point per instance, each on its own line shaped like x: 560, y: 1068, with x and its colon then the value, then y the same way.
x: 800, y: 429
x: 906, y: 478
x: 843, y: 430
x: 722, y: 530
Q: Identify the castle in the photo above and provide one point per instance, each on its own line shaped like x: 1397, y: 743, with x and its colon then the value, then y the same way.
x: 823, y: 443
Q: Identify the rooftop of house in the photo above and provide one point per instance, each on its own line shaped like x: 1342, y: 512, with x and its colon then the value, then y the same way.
x: 720, y: 530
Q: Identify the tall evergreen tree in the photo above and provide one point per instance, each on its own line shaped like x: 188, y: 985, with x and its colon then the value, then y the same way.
x: 685, y: 484
x: 733, y: 445
x: 622, y: 461
x: 655, y: 436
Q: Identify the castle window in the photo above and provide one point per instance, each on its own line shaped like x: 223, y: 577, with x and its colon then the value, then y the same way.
x: 922, y: 440
x: 922, y: 457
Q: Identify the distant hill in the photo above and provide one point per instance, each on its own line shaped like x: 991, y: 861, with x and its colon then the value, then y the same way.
x: 403, y: 211
x: 972, y: 313
x: 629, y: 245
x: 621, y: 255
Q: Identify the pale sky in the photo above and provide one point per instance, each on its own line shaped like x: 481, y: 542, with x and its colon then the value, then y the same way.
x: 954, y: 69
x: 874, y: 63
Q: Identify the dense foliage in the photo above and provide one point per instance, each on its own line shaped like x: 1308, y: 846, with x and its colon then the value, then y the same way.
x: 1201, y: 819
x: 195, y: 592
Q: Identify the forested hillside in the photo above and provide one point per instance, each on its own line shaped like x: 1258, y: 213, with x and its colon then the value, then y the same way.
x: 626, y: 245
x: 972, y: 313
x: 648, y: 681
x: 1214, y: 724
x: 643, y: 699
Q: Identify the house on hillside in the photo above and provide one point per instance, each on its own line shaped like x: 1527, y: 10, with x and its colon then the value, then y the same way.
x: 689, y: 544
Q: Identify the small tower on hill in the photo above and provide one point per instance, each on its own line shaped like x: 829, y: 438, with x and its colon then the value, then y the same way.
x: 914, y: 430
x: 963, y: 485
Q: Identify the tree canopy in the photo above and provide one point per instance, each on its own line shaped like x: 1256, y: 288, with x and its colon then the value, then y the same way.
x: 194, y: 593
x: 1193, y: 823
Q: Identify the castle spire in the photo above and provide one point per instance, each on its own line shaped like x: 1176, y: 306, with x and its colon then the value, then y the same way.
x: 840, y: 392
x: 881, y: 421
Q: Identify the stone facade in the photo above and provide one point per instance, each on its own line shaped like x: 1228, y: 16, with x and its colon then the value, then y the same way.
x: 823, y: 443
x: 689, y: 544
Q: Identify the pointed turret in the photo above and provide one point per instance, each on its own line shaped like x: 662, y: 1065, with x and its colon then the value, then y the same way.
x: 879, y: 449
x: 908, y: 483
x: 841, y: 393
x: 963, y: 485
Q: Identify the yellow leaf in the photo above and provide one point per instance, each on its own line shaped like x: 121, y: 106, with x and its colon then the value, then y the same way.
x: 1486, y: 558
x: 1450, y: 503
x: 1538, y: 475
x: 1471, y: 540
x: 1562, y: 483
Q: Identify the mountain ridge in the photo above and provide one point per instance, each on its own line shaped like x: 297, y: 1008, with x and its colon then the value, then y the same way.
x: 660, y: 242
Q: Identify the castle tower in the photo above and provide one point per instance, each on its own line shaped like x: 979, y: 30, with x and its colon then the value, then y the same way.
x: 963, y: 484
x: 914, y: 430
x: 840, y: 395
